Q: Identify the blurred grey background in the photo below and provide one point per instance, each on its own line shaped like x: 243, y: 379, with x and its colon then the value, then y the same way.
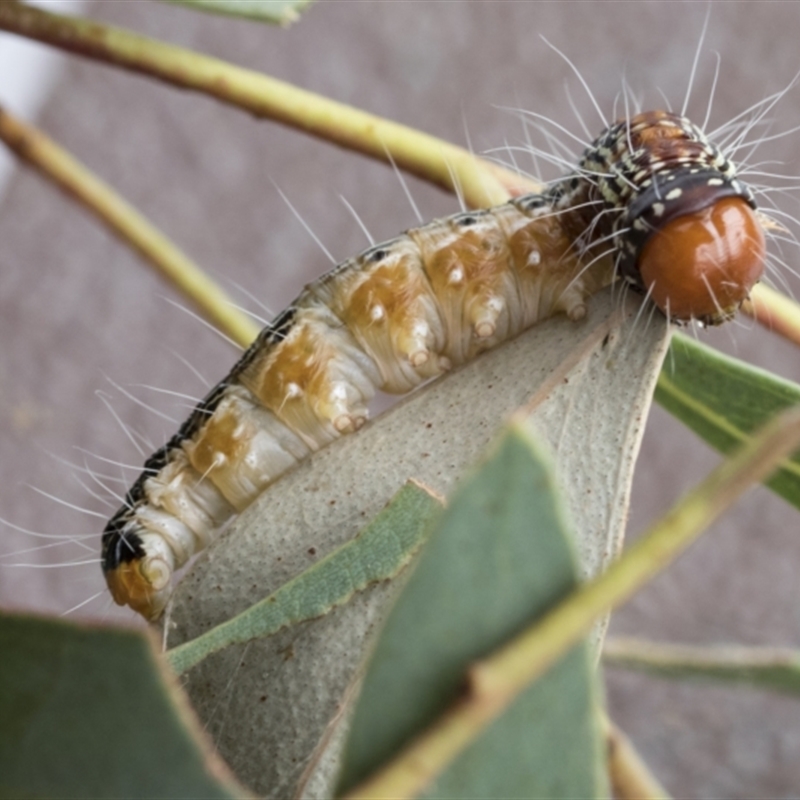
x: 78, y: 310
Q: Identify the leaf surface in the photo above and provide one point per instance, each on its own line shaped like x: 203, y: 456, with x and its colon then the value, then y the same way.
x: 277, y: 707
x: 87, y: 712
x: 723, y: 400
x: 500, y: 558
x: 379, y: 553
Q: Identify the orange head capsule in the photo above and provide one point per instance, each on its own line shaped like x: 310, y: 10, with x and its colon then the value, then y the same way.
x: 686, y: 232
x: 702, y: 265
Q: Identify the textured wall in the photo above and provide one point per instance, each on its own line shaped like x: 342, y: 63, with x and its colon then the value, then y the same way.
x: 75, y: 306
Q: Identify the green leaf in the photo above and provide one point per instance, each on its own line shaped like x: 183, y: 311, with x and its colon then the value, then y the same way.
x: 777, y: 670
x: 87, y: 712
x: 277, y: 707
x: 724, y: 400
x: 379, y: 553
x: 500, y: 558
x: 277, y: 12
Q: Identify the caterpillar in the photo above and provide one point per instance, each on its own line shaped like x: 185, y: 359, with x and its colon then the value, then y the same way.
x: 652, y: 202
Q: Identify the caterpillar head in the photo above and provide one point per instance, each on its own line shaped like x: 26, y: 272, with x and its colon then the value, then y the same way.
x: 702, y: 265
x: 687, y: 233
x: 694, y: 243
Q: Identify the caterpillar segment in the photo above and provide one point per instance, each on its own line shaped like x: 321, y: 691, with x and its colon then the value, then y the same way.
x: 651, y: 201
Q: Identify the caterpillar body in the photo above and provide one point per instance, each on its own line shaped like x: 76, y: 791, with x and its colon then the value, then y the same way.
x: 651, y: 201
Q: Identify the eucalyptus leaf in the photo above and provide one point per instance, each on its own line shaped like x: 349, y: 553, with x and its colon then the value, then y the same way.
x: 379, y: 553
x: 500, y: 558
x: 277, y: 707
x: 91, y: 712
x: 277, y: 12
x: 724, y: 400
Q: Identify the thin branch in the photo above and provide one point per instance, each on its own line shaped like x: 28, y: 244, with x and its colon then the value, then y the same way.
x: 776, y: 669
x: 425, y: 156
x: 497, y: 680
x: 420, y: 154
x: 774, y: 311
x: 32, y: 146
x: 631, y: 778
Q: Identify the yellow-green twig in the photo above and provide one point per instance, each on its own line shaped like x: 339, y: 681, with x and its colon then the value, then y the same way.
x: 631, y: 778
x: 776, y: 669
x: 126, y: 222
x: 775, y: 311
x: 496, y: 681
x: 432, y: 159
x: 425, y: 156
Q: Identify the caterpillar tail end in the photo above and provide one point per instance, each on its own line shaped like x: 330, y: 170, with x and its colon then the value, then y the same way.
x: 135, y: 577
x: 141, y: 584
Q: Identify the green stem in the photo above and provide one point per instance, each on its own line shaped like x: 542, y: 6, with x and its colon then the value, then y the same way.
x: 774, y: 311
x: 631, y: 778
x: 496, y: 681
x: 431, y: 159
x: 128, y: 224
x: 480, y: 182
x: 776, y: 669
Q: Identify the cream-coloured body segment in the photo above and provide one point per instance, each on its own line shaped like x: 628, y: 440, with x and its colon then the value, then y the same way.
x: 390, y: 319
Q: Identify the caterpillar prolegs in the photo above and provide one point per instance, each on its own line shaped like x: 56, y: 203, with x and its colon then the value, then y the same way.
x: 652, y: 201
